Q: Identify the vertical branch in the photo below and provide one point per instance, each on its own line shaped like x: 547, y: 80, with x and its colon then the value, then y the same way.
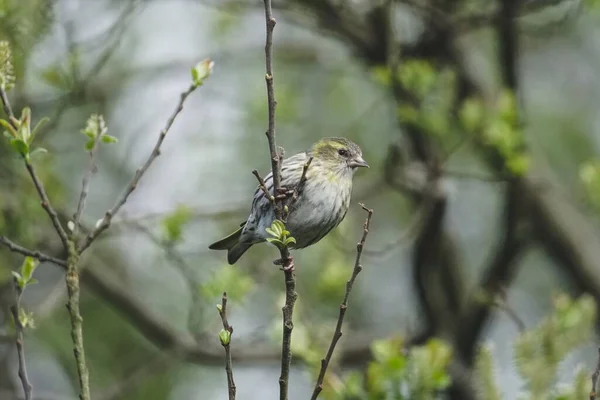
x: 275, y: 157
x: 343, y: 307
x: 20, y: 342
x: 72, y: 280
x: 286, y: 260
x: 226, y: 342
x: 593, y: 393
x: 85, y: 185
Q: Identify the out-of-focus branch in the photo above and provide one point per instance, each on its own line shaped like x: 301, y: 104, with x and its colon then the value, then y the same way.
x: 20, y: 342
x: 503, y: 267
x: 106, y: 220
x: 226, y: 342
x: 595, y: 375
x: 344, y: 306
x: 38, y: 255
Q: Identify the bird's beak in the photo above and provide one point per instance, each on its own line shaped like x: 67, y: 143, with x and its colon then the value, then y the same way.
x: 358, y: 162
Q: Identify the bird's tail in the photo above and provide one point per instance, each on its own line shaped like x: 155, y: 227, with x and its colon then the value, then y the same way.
x: 231, y: 243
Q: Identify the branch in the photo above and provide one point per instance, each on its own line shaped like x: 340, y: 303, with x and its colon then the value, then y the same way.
x: 226, y: 342
x: 106, y: 220
x: 85, y: 185
x: 286, y: 260
x: 595, y: 375
x: 20, y: 342
x: 38, y: 255
x: 343, y: 307
x: 73, y: 290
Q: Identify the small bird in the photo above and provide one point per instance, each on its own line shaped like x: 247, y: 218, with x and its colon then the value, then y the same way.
x: 321, y: 205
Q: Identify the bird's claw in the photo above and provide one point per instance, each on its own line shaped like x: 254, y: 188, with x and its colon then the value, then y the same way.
x: 287, y: 264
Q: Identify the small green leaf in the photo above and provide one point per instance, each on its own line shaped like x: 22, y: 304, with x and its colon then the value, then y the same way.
x: 174, y: 223
x: 109, y: 139
x: 20, y: 146
x: 219, y: 308
x: 38, y: 150
x: 225, y: 337
x: 38, y: 127
x: 16, y: 275
x: 201, y: 71
x: 28, y: 267
x: 10, y: 130
x: 32, y: 281
x: 271, y: 232
x: 89, y: 145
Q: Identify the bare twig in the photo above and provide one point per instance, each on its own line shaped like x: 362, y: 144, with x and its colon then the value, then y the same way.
x: 85, y: 185
x: 38, y: 255
x: 263, y: 186
x: 285, y: 260
x: 36, y: 180
x: 106, y: 220
x: 593, y: 393
x: 20, y: 342
x: 275, y: 157
x: 227, y: 346
x: 300, y: 184
x: 343, y: 307
x: 6, y: 104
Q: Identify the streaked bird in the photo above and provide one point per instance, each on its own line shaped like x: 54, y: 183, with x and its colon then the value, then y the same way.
x: 321, y: 205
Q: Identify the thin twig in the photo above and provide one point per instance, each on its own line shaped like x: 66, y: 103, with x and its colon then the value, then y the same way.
x: 300, y: 184
x: 286, y: 260
x: 272, y: 103
x: 344, y: 306
x: 6, y: 105
x: 105, y: 222
x: 46, y: 204
x: 263, y: 186
x: 85, y: 185
x: 20, y: 342
x: 38, y: 255
x: 227, y: 346
x: 39, y: 186
x: 595, y: 375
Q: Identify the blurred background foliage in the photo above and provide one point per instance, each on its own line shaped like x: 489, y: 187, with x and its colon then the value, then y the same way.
x: 478, y: 118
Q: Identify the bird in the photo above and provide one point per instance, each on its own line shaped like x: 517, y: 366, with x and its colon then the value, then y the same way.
x: 321, y: 204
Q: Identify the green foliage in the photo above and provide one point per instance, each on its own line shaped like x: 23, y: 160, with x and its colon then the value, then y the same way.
x: 281, y: 237
x: 418, y: 373
x: 25, y: 277
x: 20, y: 135
x: 23, y: 23
x: 498, y: 128
x: 96, y: 131
x: 539, y: 351
x: 230, y: 280
x: 201, y: 71
x: 7, y: 71
x: 224, y: 337
x: 174, y: 223
x: 484, y: 368
x: 589, y: 174
x: 432, y: 92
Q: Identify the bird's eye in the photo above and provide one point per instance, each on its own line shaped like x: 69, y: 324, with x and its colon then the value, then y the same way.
x: 343, y: 152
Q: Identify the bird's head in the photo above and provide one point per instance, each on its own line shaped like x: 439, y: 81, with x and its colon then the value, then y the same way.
x: 338, y: 154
